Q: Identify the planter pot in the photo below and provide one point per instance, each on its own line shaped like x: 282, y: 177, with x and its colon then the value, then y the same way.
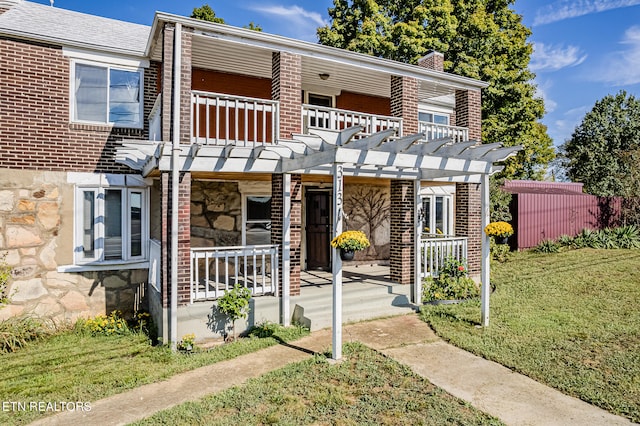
x: 347, y: 254
x: 503, y: 240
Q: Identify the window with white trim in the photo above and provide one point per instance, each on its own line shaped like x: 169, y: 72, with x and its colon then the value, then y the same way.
x: 256, y: 229
x: 433, y: 117
x: 107, y: 95
x: 437, y: 215
x: 112, y: 224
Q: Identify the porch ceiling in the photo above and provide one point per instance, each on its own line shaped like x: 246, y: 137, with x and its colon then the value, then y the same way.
x: 378, y: 155
x: 233, y: 57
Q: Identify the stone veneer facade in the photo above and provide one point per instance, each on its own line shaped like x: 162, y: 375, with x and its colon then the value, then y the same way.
x: 36, y: 236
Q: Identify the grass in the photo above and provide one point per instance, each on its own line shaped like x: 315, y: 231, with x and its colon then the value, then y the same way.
x: 365, y: 388
x: 76, y: 366
x: 570, y: 320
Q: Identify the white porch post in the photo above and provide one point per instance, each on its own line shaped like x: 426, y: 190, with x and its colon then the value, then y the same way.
x: 417, y: 280
x: 286, y: 249
x: 338, y: 181
x: 485, y: 264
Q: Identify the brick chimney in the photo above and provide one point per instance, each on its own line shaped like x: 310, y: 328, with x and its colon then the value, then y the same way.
x: 432, y: 60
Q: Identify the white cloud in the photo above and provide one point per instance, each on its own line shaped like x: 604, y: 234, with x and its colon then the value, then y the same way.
x: 566, y: 9
x: 622, y: 67
x: 562, y: 128
x: 552, y: 58
x: 542, y: 91
x: 296, y: 21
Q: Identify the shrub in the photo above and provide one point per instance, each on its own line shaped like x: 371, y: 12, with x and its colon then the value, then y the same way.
x: 499, y: 252
x: 110, y: 325
x: 188, y: 342
x: 5, y: 276
x: 547, y: 246
x: 16, y: 332
x: 235, y: 304
x: 452, y: 283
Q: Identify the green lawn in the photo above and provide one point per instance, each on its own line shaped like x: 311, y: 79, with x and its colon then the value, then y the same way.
x: 570, y: 320
x: 79, y: 367
x: 365, y: 388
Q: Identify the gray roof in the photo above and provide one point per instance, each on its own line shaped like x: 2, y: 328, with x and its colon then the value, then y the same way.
x: 73, y: 29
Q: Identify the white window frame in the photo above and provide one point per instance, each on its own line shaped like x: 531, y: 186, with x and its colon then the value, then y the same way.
x: 99, y: 226
x: 245, y: 210
x: 108, y: 67
x: 447, y: 217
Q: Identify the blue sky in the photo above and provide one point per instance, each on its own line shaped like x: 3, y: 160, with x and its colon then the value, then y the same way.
x: 583, y: 49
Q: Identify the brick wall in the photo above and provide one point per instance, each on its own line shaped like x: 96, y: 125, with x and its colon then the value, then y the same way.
x: 277, y: 203
x: 287, y: 88
x: 231, y: 84
x: 469, y: 222
x: 167, y: 83
x: 469, y: 112
x: 404, y: 102
x: 363, y: 103
x: 402, y: 231
x: 185, y: 87
x: 37, y: 132
x: 184, y: 238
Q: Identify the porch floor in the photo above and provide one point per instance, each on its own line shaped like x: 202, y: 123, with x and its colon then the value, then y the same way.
x: 367, y: 293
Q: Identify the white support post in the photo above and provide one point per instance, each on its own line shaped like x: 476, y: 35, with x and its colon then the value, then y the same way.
x: 286, y: 249
x: 485, y: 265
x: 417, y: 280
x: 338, y: 182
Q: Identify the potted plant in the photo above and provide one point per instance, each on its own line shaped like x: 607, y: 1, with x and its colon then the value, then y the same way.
x: 452, y: 284
x: 349, y: 242
x: 501, y: 231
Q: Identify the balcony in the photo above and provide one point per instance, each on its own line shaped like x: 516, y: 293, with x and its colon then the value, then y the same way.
x: 317, y: 117
x: 439, y: 131
x: 218, y: 119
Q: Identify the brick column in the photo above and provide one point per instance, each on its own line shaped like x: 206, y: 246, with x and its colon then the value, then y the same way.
x: 286, y: 87
x: 469, y: 112
x: 167, y: 81
x: 185, y: 87
x: 184, y: 238
x: 402, y: 256
x: 277, y: 221
x: 469, y: 223
x: 404, y: 102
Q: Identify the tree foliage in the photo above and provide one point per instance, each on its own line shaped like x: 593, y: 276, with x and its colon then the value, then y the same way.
x: 482, y: 39
x: 602, y: 150
x: 206, y: 13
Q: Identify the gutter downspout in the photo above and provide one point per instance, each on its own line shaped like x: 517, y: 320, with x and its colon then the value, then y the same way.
x: 175, y: 184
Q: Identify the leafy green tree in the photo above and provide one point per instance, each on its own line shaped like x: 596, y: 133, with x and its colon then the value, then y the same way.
x: 600, y: 153
x: 205, y: 13
x: 235, y: 304
x: 482, y: 39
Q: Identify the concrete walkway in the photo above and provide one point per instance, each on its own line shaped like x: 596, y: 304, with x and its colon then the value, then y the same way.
x: 490, y: 387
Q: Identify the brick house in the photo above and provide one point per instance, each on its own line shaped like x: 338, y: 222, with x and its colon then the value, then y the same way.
x: 164, y: 164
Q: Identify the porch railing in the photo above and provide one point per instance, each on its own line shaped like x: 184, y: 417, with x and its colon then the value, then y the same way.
x: 435, y: 250
x: 215, y: 270
x: 218, y: 119
x: 439, y: 131
x: 317, y: 117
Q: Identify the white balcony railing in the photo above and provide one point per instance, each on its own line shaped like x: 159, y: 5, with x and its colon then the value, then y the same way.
x: 217, y: 269
x: 316, y: 117
x: 438, y: 131
x: 434, y: 250
x: 232, y: 120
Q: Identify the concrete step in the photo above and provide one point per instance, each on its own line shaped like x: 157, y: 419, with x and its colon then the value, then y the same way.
x: 359, y: 302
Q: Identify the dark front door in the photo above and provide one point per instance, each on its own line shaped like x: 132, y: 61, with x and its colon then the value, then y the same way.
x: 318, y: 219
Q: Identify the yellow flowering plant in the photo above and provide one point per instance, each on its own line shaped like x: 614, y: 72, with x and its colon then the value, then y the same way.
x: 499, y: 229
x: 351, y: 240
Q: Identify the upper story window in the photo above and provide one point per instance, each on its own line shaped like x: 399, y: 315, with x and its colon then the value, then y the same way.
x: 107, y: 95
x: 433, y: 117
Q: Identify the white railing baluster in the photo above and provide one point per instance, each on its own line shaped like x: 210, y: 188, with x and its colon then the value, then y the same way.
x: 338, y: 119
x: 435, y: 250
x: 242, y: 258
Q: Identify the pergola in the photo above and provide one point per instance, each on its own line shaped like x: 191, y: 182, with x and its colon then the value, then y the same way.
x: 340, y: 154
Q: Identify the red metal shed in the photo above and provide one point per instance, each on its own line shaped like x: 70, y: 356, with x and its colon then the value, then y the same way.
x: 547, y: 210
